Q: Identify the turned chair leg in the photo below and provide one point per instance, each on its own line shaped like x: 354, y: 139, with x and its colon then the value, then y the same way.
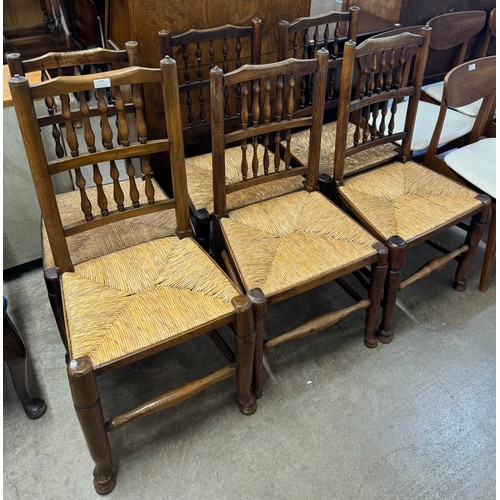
x: 54, y: 292
x: 245, y: 347
x: 202, y: 228
x: 474, y: 234
x: 377, y: 280
x: 85, y: 394
x: 259, y: 303
x: 14, y: 355
x: 489, y: 252
x: 397, y: 252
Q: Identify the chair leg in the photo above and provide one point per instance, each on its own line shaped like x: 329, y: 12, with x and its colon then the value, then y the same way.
x: 325, y: 185
x: 490, y: 251
x: 85, y: 394
x: 474, y: 234
x: 54, y: 292
x: 397, y: 252
x: 245, y: 348
x: 259, y: 303
x: 14, y: 355
x: 202, y: 228
x: 377, y: 279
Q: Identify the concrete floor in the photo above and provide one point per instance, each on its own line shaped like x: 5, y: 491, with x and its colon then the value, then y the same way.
x: 413, y: 419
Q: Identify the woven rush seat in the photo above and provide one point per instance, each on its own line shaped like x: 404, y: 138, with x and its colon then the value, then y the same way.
x: 111, y: 238
x: 358, y: 161
x: 407, y: 200
x: 140, y: 309
x: 199, y: 179
x: 288, y: 230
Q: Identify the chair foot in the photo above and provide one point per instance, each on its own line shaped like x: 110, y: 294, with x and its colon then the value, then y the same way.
x: 384, y: 336
x: 250, y: 409
x: 36, y: 408
x: 371, y: 344
x: 460, y: 286
x: 104, y: 484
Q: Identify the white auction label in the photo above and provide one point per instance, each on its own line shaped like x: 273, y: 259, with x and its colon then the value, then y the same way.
x: 101, y: 83
x: 472, y: 67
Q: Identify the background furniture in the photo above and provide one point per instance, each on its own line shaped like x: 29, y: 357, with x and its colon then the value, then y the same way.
x: 14, y: 355
x: 474, y: 164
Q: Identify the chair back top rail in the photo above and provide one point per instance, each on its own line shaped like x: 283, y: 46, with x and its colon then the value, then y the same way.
x: 382, y: 68
x: 53, y: 60
x: 456, y: 29
x: 118, y: 205
x: 264, y: 117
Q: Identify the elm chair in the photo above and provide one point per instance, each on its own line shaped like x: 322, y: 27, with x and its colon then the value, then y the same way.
x: 294, y: 242
x: 301, y: 39
x: 401, y: 203
x: 98, y: 241
x: 474, y: 164
x: 197, y: 52
x: 453, y: 32
x: 131, y: 303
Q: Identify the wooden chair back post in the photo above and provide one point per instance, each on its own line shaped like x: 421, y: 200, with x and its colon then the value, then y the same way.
x: 382, y: 83
x: 417, y: 81
x: 455, y: 30
x: 174, y: 132
x: 260, y: 118
x: 28, y: 124
x: 464, y: 84
x: 116, y: 145
x: 296, y: 36
x: 491, y: 32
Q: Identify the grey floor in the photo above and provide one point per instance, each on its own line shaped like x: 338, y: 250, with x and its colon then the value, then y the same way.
x: 413, y: 419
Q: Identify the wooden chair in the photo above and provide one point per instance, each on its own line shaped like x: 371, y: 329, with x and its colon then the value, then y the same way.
x: 197, y: 52
x: 96, y: 242
x: 134, y: 302
x: 401, y: 203
x: 491, y: 33
x: 453, y: 31
x: 291, y: 243
x: 474, y: 164
x: 294, y: 40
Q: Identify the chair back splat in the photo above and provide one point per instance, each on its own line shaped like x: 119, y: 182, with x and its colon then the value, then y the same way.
x: 382, y: 65
x: 122, y: 205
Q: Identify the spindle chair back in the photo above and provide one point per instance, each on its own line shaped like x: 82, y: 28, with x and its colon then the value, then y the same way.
x: 129, y: 304
x: 119, y: 110
x: 197, y: 51
x: 302, y: 38
x: 402, y: 203
x: 282, y: 246
x: 474, y: 164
